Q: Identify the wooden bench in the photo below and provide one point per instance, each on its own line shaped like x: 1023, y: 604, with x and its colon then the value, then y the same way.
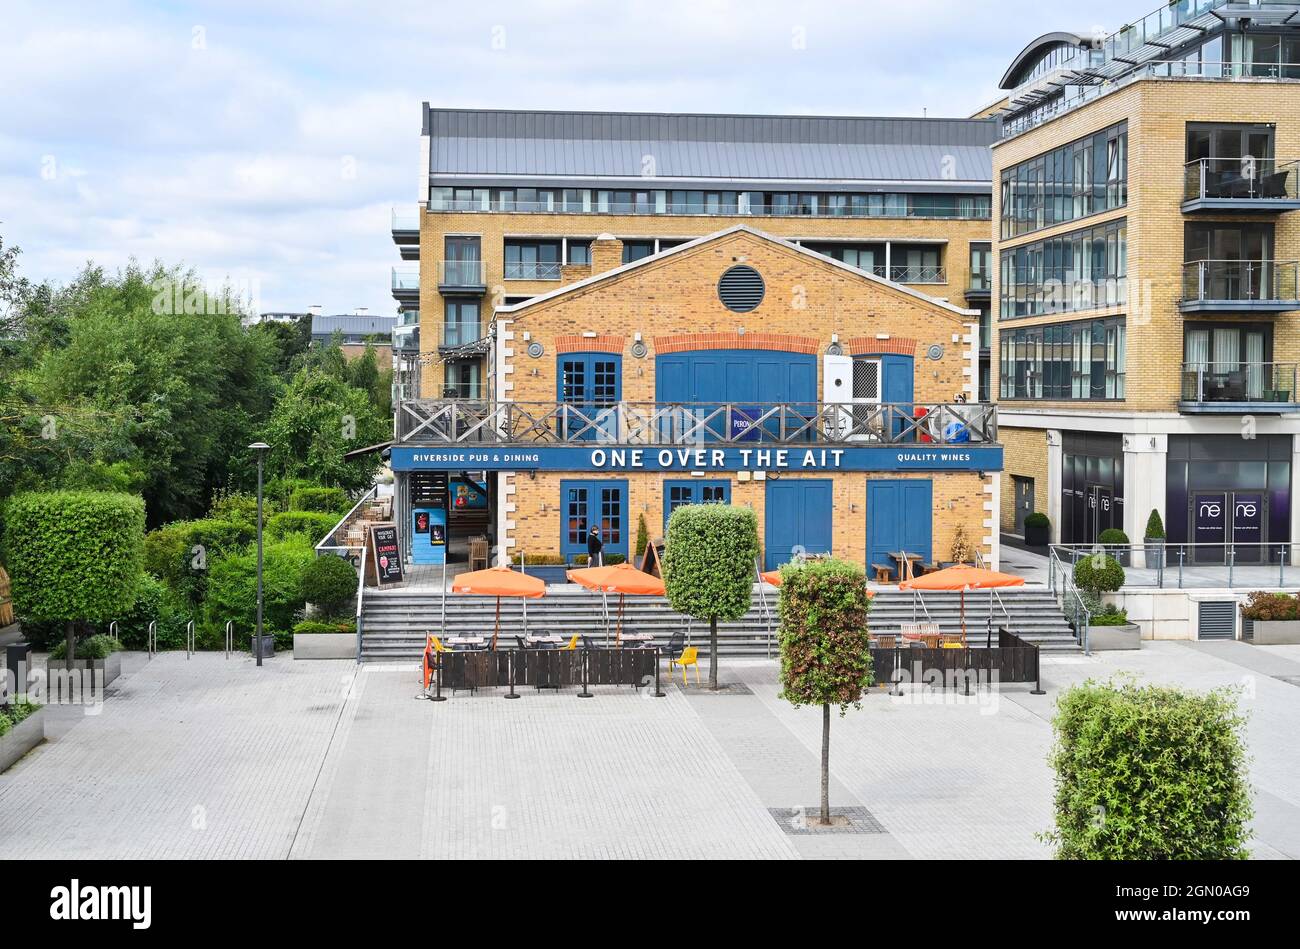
x: 884, y: 574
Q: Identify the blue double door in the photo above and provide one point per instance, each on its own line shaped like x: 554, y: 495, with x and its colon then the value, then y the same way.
x: 680, y: 493
x: 899, y: 517
x: 591, y: 383
x: 798, y: 519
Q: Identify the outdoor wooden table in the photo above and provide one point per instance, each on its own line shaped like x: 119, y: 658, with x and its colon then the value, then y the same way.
x: 466, y: 641
x: 545, y: 640
x: 905, y: 561
x: 640, y: 638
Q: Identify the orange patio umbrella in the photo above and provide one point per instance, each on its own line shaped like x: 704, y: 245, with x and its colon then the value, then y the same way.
x: 622, y: 579
x: 774, y: 578
x: 499, y: 582
x: 962, y: 578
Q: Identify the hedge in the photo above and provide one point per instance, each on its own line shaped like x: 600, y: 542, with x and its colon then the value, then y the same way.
x: 312, y: 524
x: 180, y: 553
x: 320, y: 500
x: 232, y: 588
x: 94, y: 647
x: 1149, y: 773
x: 329, y: 582
x: 74, y: 555
x: 310, y: 626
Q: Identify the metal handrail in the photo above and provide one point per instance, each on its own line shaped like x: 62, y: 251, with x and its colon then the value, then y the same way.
x: 540, y: 270
x: 762, y: 606
x: 151, y: 638
x: 189, y: 640
x: 901, y: 273
x: 1070, y: 597
x: 322, y: 547
x: 1229, y: 553
x: 112, y: 631
x: 470, y: 422
x: 361, y: 592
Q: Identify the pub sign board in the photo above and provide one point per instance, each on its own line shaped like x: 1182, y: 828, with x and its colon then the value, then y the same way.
x: 385, y: 555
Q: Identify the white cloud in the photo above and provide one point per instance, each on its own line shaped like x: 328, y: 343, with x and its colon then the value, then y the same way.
x: 267, y: 140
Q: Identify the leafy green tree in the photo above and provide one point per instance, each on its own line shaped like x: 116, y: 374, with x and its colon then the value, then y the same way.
x: 232, y: 587
x: 709, y: 566
x: 74, y: 556
x: 1149, y: 773
x: 825, y: 644
x: 319, y: 419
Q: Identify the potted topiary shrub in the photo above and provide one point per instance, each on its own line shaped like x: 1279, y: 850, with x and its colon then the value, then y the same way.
x: 1096, y: 575
x: 1038, y: 529
x: 1154, y: 541
x: 1116, y: 543
x: 1276, y: 617
x: 1109, y: 629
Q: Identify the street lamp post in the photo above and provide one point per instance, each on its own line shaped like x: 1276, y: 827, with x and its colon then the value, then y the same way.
x: 260, y: 448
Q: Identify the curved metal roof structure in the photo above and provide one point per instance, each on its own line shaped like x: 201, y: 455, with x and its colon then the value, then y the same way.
x: 1035, y: 51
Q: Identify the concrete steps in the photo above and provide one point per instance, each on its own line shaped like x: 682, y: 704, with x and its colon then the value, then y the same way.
x: 395, y: 622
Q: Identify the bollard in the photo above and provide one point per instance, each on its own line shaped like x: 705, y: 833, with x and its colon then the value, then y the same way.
x: 189, y: 639
x: 898, y: 670
x: 586, y: 693
x: 512, y: 694
x: 1038, y: 673
x: 151, y: 638
x: 230, y: 636
x: 1181, y: 553
x: 437, y: 679
x: 112, y: 631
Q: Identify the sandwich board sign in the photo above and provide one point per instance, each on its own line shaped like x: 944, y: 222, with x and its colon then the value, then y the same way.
x: 385, y: 555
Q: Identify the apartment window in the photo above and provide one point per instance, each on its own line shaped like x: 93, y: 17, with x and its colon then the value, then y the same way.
x: 532, y: 259
x: 461, y: 381
x: 579, y: 252
x: 1083, y: 178
x: 1082, y: 270
x: 981, y: 266
x: 635, y: 250
x: 868, y: 257
x: 1270, y: 55
x: 1064, y: 361
x: 460, y: 322
x: 1228, y: 242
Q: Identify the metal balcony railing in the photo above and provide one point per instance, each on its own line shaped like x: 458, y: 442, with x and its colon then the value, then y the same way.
x: 1271, y: 282
x: 461, y: 421
x: 461, y: 334
x: 1241, y: 179
x: 1268, y: 383
x: 460, y: 273
x: 901, y: 273
x: 532, y: 271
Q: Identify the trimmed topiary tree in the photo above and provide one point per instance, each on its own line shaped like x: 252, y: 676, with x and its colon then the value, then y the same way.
x: 329, y: 582
x: 74, y: 556
x: 1097, y: 574
x: 825, y: 644
x: 1155, y: 527
x: 1149, y: 773
x: 709, y: 566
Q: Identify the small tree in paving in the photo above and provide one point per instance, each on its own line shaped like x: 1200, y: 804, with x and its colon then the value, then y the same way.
x: 709, y: 566
x: 825, y: 654
x: 1149, y: 773
x: 74, y: 556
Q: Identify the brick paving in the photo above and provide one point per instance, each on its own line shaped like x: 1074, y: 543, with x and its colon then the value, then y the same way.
x: 215, y: 758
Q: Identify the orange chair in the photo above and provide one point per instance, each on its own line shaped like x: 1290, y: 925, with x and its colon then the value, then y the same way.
x: 433, y: 648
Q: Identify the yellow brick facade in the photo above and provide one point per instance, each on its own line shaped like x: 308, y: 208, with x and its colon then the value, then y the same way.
x: 673, y: 302
x: 492, y: 228
x: 1157, y: 112
x: 1024, y: 456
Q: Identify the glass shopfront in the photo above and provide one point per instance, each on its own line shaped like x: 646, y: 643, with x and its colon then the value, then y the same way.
x: 1092, y: 486
x: 1225, y: 492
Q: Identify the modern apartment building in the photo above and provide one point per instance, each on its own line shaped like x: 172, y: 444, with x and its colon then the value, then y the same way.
x: 1146, y: 310
x: 510, y: 202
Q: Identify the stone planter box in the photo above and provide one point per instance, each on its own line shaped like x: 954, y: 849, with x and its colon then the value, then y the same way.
x: 1110, y: 638
x: 325, y: 646
x: 111, y: 666
x: 22, y: 738
x: 1277, y: 632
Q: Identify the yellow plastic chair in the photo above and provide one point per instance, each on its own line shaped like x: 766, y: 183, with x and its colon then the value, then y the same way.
x: 573, y: 644
x: 690, y: 657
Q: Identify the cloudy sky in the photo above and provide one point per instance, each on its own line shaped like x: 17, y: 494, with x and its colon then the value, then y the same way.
x: 263, y: 142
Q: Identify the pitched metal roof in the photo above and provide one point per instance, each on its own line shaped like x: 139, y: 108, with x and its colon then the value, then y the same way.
x: 352, y: 325
x: 468, y: 143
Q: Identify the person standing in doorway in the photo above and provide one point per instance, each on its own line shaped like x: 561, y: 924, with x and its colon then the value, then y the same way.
x: 594, y: 547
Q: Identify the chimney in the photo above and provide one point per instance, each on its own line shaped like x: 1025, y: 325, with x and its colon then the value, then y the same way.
x: 606, y: 253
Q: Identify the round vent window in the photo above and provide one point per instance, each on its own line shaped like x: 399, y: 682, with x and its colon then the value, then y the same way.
x: 741, y: 289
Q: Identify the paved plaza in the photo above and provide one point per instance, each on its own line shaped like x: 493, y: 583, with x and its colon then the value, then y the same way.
x: 213, y: 757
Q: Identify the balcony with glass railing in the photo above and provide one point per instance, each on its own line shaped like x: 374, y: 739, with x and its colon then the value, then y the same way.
x: 406, y: 284
x: 1240, y: 286
x: 456, y: 335
x: 1241, y: 184
x: 974, y: 209
x: 532, y: 270
x: 980, y: 285
x: 461, y: 275
x: 406, y: 225
x: 1227, y: 388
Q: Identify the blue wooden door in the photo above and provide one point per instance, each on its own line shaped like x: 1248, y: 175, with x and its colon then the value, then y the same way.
x: 587, y: 503
x: 798, y: 517
x: 899, y: 516
x: 896, y: 386
x: 743, y: 378
x: 590, y: 382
